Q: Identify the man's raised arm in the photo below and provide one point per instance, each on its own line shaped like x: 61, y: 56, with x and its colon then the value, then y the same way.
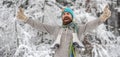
x: 40, y: 26
x: 95, y: 23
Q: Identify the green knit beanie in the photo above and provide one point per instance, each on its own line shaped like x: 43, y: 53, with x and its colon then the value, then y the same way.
x: 69, y: 10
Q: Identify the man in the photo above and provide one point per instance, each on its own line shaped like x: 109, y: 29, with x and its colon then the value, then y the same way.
x: 68, y: 32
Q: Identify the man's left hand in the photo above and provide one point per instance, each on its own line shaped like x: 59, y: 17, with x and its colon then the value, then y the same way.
x: 106, y: 14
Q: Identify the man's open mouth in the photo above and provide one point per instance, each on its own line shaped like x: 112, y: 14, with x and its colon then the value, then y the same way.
x: 66, y: 18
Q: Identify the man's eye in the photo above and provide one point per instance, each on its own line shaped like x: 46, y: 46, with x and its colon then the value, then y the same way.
x: 64, y: 14
x: 67, y: 13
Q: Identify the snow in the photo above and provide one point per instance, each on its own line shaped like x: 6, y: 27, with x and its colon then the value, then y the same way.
x: 119, y: 9
x: 18, y: 39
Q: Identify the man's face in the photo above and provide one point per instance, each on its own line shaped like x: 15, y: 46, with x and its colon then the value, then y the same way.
x: 66, y: 18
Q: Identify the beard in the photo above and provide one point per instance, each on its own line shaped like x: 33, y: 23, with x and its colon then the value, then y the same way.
x: 67, y: 20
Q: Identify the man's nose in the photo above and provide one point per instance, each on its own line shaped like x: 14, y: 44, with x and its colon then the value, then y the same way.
x: 65, y: 14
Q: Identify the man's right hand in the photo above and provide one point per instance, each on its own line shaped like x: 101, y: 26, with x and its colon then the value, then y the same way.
x: 21, y: 16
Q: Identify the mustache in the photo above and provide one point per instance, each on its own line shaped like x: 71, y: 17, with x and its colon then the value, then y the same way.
x: 66, y: 17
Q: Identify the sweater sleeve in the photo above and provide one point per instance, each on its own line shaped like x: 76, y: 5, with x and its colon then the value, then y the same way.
x: 41, y: 26
x: 89, y: 26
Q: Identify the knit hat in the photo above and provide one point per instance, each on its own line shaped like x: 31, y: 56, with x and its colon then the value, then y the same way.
x: 69, y: 10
